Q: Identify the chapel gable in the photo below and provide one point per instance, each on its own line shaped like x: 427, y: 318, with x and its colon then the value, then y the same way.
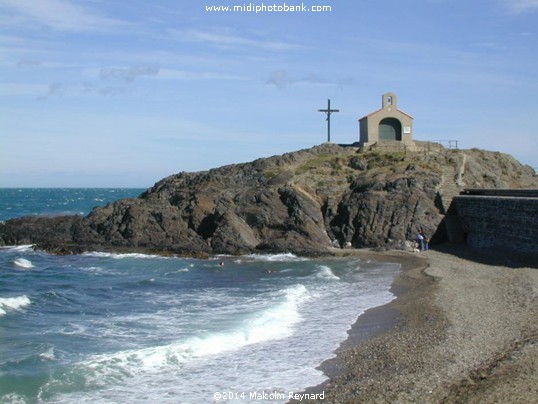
x: 387, y: 125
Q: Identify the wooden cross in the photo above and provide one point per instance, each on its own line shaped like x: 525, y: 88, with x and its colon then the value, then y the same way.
x: 328, y: 111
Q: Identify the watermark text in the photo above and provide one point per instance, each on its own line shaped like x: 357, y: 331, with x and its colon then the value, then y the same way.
x: 265, y: 396
x: 268, y: 8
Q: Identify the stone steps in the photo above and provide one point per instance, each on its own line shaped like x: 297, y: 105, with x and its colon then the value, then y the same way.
x: 448, y: 188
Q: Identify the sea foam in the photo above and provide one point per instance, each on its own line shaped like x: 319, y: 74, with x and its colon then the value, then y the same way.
x: 13, y: 303
x: 18, y: 248
x: 288, y: 257
x: 274, y: 322
x: 326, y: 273
x: 121, y: 256
x: 23, y: 263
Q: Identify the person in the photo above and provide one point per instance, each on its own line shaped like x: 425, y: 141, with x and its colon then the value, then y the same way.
x: 425, y: 240
x: 420, y: 241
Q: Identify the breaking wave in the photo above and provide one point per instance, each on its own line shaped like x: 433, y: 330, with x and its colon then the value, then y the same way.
x: 274, y: 322
x: 13, y: 303
x: 120, y: 256
x: 326, y: 273
x: 18, y: 248
x: 23, y: 263
x: 275, y: 257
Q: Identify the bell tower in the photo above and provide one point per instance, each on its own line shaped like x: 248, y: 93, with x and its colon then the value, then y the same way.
x: 389, y: 101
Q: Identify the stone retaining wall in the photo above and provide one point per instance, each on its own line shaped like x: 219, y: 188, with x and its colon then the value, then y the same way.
x: 489, y: 221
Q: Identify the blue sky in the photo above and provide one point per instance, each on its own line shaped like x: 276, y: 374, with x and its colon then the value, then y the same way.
x: 123, y: 93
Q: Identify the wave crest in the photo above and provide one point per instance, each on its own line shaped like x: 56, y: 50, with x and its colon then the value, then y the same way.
x: 274, y: 322
x: 120, y: 256
x: 288, y: 257
x: 23, y: 263
x: 13, y: 303
x: 326, y: 273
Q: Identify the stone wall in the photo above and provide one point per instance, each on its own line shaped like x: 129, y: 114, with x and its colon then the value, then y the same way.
x: 490, y: 221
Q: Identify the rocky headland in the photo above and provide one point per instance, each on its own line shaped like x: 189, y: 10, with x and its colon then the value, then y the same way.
x: 464, y: 325
x: 303, y: 202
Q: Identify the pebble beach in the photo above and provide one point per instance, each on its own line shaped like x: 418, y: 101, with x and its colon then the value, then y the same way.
x: 464, y: 328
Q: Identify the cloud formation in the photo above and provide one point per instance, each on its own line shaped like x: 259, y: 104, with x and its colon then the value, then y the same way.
x: 281, y: 79
x: 125, y: 75
x: 56, y: 89
x: 129, y: 74
x: 521, y: 6
x: 225, y: 39
x: 28, y: 63
x: 61, y: 15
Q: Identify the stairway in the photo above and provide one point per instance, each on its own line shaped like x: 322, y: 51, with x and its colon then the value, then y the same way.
x: 448, y: 188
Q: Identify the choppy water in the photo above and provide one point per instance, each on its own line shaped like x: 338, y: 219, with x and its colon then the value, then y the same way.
x: 16, y: 202
x: 134, y: 328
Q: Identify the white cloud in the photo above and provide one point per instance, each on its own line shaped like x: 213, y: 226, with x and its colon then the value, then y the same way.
x: 28, y: 63
x: 61, y: 15
x: 174, y: 74
x: 521, y: 6
x: 281, y: 79
x: 56, y: 89
x: 129, y: 74
x: 22, y: 89
x: 226, y: 39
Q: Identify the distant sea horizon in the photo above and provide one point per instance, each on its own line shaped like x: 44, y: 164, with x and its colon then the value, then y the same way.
x: 21, y: 201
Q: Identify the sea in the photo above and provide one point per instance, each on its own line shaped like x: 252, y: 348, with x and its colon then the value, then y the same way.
x: 114, y: 328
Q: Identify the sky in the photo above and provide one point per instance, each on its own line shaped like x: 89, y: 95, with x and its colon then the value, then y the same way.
x: 101, y: 93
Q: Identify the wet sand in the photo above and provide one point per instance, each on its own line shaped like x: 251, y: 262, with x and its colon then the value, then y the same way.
x: 464, y: 328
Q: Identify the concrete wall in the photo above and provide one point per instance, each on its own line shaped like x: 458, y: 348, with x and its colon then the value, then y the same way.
x: 490, y: 221
x: 363, y: 131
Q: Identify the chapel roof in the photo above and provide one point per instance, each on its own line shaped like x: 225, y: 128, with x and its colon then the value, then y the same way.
x: 381, y: 109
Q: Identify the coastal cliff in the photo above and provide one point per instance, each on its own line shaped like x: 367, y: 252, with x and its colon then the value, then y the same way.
x: 303, y: 202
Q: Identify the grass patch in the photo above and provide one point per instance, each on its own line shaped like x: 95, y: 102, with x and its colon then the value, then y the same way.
x: 322, y: 161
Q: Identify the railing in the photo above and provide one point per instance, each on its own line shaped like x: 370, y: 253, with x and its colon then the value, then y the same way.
x: 435, y: 146
x: 449, y: 144
x: 420, y: 146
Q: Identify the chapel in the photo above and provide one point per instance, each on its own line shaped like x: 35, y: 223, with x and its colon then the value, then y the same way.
x: 387, y: 125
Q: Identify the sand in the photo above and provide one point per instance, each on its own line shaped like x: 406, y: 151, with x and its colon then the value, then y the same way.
x: 463, y: 329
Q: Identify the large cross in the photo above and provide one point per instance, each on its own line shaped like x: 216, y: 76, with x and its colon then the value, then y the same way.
x: 328, y: 111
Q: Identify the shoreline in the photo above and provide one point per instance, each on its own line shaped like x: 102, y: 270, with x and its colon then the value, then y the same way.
x: 460, y: 329
x: 463, y: 327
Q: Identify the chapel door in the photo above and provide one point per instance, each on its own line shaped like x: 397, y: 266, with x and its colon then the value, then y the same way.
x: 390, y: 129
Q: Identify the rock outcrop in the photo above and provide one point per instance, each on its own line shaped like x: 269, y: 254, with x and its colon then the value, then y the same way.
x: 303, y: 202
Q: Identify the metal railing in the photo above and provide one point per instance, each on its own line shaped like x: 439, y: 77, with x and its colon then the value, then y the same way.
x: 420, y: 146
x: 449, y: 144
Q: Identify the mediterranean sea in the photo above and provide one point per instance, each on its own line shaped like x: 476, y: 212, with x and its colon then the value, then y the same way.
x: 110, y: 328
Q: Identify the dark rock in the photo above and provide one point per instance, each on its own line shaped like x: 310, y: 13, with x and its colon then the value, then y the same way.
x: 302, y: 202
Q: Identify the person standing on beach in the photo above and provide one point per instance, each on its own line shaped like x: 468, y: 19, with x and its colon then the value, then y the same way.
x: 425, y: 240
x: 420, y: 240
